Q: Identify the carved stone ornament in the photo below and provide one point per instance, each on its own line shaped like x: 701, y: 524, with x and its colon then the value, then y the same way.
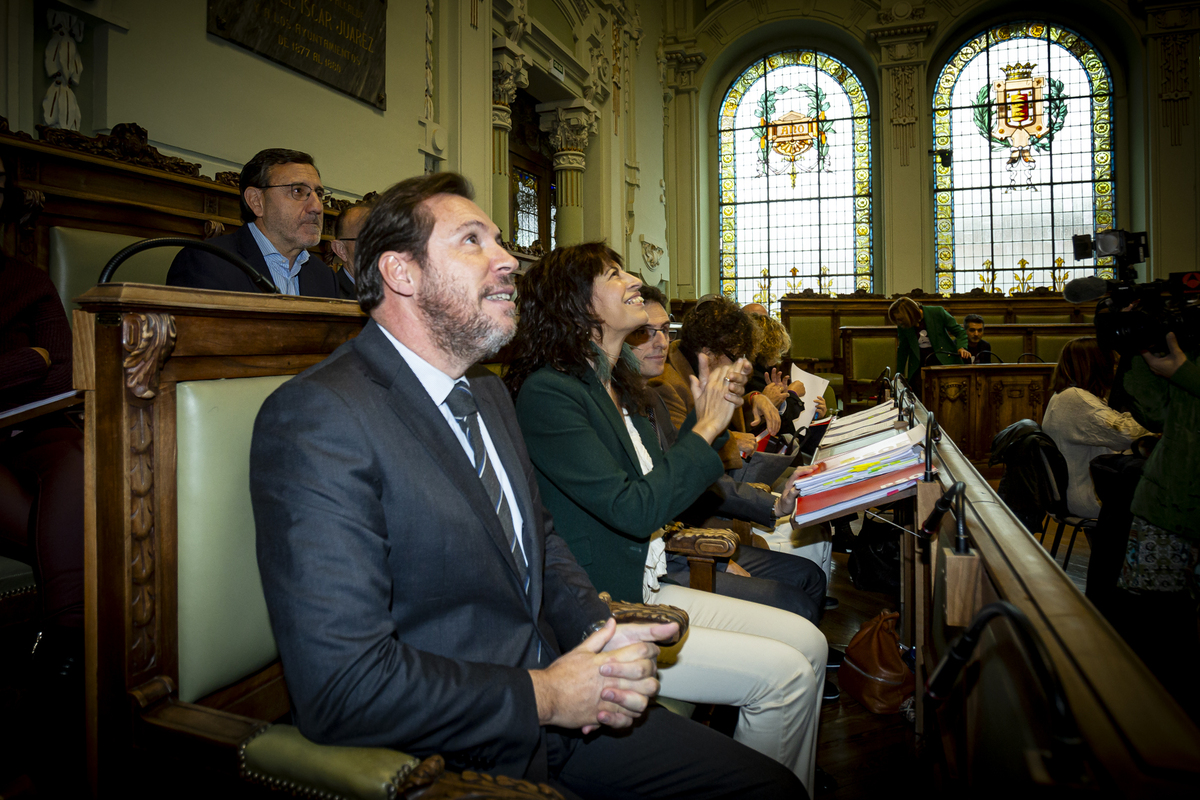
x: 517, y: 24
x: 904, y: 110
x: 1175, y: 67
x: 148, y: 338
x: 901, y: 12
x: 502, y: 117
x: 1170, y: 18
x: 509, y: 73
x: 571, y: 128
x: 651, y: 253
x: 570, y: 160
x: 598, y: 86
x: 128, y: 143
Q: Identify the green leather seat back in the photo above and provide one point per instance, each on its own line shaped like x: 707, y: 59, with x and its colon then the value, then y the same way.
x: 77, y: 256
x: 988, y: 319
x: 1042, y: 319
x: 224, y: 631
x: 1006, y: 346
x: 858, y: 320
x: 1049, y: 346
x: 810, y: 338
x: 871, y: 355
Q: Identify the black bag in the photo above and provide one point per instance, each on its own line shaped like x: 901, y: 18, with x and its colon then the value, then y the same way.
x: 875, y: 560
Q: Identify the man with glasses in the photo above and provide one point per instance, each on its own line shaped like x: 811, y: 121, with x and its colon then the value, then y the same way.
x: 345, y: 237
x: 283, y: 210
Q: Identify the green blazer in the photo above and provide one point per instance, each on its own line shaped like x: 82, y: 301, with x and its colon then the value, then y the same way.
x: 944, y: 334
x: 590, y: 481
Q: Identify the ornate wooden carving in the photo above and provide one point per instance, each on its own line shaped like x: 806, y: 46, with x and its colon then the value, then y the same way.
x: 213, y: 228
x: 997, y: 393
x: 228, y: 178
x: 640, y: 613
x: 1035, y: 394
x: 148, y: 339
x: 128, y: 143
x: 430, y: 781
x: 953, y: 392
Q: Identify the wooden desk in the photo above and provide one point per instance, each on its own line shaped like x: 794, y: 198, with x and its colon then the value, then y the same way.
x: 974, y: 402
x: 990, y: 732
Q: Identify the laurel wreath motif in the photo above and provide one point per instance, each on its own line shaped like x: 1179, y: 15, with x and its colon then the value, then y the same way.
x: 816, y: 107
x: 1056, y: 109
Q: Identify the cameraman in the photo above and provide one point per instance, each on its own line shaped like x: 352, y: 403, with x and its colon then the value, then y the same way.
x: 1161, y: 556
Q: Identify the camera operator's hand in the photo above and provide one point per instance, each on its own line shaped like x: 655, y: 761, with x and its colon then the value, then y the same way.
x: 1168, y: 364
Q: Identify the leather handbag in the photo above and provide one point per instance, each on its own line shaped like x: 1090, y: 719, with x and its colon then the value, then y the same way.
x: 873, y: 672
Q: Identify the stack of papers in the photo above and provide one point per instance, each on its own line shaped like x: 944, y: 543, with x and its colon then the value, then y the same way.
x: 879, y: 458
x: 858, y: 426
x: 856, y: 496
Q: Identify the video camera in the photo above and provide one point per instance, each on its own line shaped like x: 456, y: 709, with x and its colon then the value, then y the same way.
x: 1161, y: 307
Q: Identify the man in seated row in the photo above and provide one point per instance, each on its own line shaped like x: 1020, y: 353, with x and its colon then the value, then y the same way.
x: 419, y: 593
x: 283, y: 211
x: 981, y: 351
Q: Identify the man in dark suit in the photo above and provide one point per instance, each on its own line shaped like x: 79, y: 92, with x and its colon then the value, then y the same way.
x: 980, y: 350
x: 345, y: 241
x: 283, y: 213
x: 418, y: 591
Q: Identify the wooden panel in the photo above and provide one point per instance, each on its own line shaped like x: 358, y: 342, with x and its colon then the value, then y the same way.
x: 974, y: 402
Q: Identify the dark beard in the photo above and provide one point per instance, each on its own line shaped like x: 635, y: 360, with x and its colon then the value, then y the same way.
x: 456, y: 328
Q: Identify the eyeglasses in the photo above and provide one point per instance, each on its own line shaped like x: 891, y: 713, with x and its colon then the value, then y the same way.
x: 301, y: 191
x: 647, y: 333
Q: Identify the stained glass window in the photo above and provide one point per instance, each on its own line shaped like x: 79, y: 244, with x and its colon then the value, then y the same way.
x: 794, y: 179
x: 1025, y: 110
x: 526, y: 230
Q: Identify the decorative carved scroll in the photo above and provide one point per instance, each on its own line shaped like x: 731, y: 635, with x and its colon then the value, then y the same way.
x: 148, y: 339
x: 651, y: 253
x: 1035, y: 394
x: 128, y: 143
x: 430, y: 781
x: 953, y: 392
x: 1176, y: 83
x: 228, y: 179
x: 904, y: 110
x: 213, y: 228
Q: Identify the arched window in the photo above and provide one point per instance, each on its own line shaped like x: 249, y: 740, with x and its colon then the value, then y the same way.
x: 1023, y: 116
x: 794, y: 179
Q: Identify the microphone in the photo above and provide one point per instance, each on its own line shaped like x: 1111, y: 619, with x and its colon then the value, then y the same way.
x: 934, y: 521
x: 1085, y: 290
x: 991, y: 356
x: 265, y: 286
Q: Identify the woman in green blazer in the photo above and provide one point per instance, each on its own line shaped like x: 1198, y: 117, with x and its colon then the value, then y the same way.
x: 583, y: 410
x: 925, y: 334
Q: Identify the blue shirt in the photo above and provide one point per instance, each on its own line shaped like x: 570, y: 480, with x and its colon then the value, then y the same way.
x: 286, y: 278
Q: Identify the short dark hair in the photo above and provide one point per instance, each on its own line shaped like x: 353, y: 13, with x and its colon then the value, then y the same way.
x: 652, y: 294
x: 969, y: 318
x: 718, y: 325
x: 339, y: 224
x: 399, y: 222
x: 257, y: 172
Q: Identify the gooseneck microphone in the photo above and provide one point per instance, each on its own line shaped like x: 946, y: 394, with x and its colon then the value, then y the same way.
x: 934, y: 521
x: 265, y: 286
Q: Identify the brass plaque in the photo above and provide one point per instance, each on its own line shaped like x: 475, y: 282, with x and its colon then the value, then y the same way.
x: 337, y: 42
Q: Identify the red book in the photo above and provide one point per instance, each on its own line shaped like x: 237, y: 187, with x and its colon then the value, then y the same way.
x: 835, y: 502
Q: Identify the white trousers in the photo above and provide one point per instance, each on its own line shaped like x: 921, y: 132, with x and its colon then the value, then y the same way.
x: 769, y: 663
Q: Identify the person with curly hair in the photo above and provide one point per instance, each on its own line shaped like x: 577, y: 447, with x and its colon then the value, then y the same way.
x: 720, y: 331
x: 583, y: 410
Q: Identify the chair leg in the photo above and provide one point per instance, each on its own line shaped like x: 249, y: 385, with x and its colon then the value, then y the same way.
x: 701, y: 570
x: 1070, y: 547
x: 1058, y: 532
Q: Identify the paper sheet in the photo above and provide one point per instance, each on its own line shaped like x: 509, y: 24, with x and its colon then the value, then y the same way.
x: 814, y: 387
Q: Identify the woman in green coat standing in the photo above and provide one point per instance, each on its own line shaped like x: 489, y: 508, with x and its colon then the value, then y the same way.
x: 926, y: 334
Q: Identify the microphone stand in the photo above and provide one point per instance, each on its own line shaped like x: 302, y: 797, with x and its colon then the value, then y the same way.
x: 265, y: 286
x: 1035, y: 355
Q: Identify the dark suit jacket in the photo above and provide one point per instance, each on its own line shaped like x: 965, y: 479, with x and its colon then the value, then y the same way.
x: 590, y: 478
x: 944, y: 335
x: 347, y: 289
x: 397, y: 606
x: 200, y: 270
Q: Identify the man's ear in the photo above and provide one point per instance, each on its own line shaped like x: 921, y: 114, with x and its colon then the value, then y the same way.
x: 339, y: 249
x: 397, y: 271
x: 254, y: 198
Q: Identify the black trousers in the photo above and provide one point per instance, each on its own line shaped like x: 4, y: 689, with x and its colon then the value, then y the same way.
x: 779, y: 580
x: 664, y: 755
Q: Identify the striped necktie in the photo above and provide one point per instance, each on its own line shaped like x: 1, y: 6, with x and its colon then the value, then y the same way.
x: 462, y: 405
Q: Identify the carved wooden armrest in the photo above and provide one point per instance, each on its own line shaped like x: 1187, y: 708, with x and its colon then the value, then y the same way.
x: 761, y: 486
x: 640, y: 613
x: 707, y: 543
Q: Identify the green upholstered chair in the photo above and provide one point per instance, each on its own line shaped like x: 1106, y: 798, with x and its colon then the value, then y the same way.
x: 1006, y: 346
x: 1049, y: 346
x: 223, y: 629
x: 867, y: 357
x: 78, y: 255
x: 811, y: 338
